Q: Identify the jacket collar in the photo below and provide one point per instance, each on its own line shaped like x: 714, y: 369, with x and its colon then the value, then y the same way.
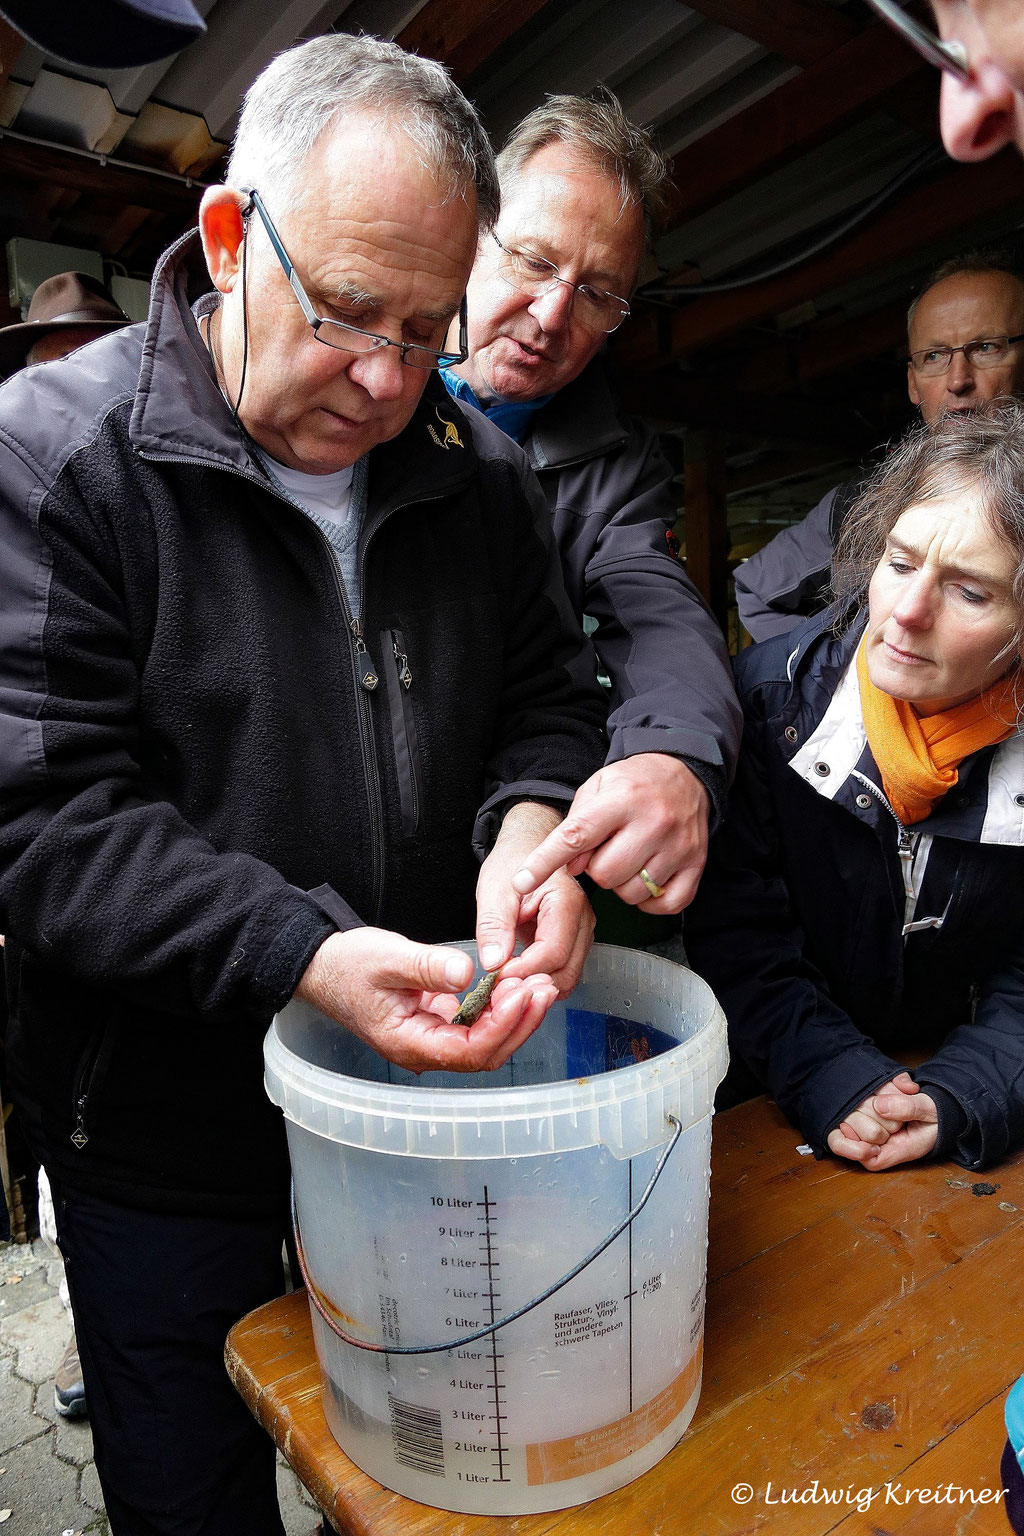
x: 581, y: 422
x: 180, y: 413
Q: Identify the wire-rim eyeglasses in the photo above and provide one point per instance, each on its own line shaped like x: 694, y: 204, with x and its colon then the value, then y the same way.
x: 351, y: 338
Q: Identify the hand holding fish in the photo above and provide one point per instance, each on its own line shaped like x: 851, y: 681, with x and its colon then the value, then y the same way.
x: 400, y: 997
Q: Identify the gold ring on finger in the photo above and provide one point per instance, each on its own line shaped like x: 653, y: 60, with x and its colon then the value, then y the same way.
x: 653, y: 888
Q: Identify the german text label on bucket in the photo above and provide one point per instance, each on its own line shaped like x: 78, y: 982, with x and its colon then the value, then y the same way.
x: 433, y: 1207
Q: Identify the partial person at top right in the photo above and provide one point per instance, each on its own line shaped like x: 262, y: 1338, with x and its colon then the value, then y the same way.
x: 980, y: 52
x: 965, y: 337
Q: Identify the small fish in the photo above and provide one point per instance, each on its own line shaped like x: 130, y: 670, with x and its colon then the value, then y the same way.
x: 474, y: 1003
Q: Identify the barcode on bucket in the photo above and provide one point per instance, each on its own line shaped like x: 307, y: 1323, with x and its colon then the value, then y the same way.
x: 416, y: 1435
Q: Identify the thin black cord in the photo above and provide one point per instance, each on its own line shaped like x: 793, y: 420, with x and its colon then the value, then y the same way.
x: 688, y: 290
x: 246, y: 215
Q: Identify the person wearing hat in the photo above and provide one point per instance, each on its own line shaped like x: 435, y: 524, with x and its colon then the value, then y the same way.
x: 66, y: 311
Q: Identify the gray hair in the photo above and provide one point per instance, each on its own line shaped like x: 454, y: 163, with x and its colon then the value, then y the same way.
x: 302, y: 91
x: 994, y: 259
x: 980, y: 451
x: 599, y: 131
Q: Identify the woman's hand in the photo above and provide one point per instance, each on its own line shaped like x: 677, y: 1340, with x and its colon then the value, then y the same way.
x: 896, y: 1124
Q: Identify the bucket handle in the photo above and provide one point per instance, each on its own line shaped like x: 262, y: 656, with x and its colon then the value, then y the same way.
x: 330, y: 1313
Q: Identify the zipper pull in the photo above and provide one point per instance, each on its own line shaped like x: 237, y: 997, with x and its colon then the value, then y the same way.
x: 79, y: 1136
x: 402, y: 662
x: 905, y: 849
x: 364, y: 661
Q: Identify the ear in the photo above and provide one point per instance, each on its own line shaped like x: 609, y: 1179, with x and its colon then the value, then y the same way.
x: 912, y: 390
x: 222, y: 229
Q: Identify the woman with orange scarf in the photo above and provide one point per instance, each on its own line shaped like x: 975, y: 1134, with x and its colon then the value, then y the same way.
x: 863, y: 906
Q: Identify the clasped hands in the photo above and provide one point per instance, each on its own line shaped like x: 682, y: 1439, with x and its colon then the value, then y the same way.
x: 401, y: 996
x: 898, y: 1123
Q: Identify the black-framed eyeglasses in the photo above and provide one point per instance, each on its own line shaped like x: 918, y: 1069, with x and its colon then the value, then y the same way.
x: 985, y: 352
x: 951, y: 56
x: 597, y: 309
x: 350, y: 338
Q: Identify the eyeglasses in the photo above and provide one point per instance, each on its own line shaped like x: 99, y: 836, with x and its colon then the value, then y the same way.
x: 527, y: 273
x: 986, y: 352
x: 951, y: 56
x: 349, y: 338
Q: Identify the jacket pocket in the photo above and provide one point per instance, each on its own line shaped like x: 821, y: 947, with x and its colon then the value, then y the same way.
x: 92, y: 1070
x: 400, y: 682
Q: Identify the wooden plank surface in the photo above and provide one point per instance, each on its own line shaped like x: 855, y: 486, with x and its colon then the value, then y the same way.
x: 861, y: 1333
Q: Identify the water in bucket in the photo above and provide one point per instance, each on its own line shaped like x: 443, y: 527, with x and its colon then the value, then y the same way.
x: 431, y: 1208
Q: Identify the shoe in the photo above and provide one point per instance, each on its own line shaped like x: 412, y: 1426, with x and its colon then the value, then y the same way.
x: 68, y: 1386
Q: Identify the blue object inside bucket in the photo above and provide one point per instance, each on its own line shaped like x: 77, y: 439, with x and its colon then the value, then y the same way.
x: 602, y: 1042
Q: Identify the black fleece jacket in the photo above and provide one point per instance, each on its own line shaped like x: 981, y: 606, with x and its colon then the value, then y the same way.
x: 187, y: 748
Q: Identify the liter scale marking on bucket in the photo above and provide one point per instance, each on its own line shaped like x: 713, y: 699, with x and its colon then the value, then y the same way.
x: 429, y: 1212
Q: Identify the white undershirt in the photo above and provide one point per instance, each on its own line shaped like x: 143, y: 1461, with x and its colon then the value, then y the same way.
x: 328, y: 501
x: 327, y: 495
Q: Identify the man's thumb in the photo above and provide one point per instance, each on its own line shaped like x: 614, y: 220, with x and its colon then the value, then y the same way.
x: 428, y: 968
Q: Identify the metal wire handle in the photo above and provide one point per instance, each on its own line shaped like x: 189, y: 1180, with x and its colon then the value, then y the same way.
x: 322, y: 1303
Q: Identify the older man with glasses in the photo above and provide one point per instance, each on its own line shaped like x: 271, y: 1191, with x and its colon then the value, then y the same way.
x: 285, y: 638
x: 965, y: 335
x: 580, y: 186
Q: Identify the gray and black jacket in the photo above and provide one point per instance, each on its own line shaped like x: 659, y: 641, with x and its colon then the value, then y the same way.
x: 191, y: 740
x: 790, y: 579
x: 609, y: 488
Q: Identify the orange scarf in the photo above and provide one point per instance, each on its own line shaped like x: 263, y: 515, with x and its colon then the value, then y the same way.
x: 918, y: 757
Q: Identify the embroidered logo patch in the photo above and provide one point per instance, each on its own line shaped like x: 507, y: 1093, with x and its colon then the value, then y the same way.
x: 451, y: 437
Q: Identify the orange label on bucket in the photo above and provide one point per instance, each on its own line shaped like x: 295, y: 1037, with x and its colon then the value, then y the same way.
x: 555, y: 1460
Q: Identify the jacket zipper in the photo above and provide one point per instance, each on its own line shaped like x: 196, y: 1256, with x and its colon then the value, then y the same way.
x: 367, y: 678
x: 406, y: 737
x: 83, y: 1089
x: 904, y: 847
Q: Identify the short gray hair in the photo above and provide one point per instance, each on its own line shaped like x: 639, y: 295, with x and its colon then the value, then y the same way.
x: 302, y: 91
x: 994, y: 259
x: 598, y: 130
x: 980, y: 451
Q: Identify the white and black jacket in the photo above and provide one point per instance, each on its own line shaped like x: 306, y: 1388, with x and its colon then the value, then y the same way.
x: 834, y: 937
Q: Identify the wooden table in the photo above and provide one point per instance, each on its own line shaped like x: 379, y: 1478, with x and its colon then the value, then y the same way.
x: 862, y: 1332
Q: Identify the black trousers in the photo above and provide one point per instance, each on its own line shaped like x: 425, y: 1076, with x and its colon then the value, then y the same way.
x: 177, y: 1451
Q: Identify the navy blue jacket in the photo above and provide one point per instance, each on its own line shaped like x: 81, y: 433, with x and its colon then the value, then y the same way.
x: 829, y: 951
x: 192, y: 738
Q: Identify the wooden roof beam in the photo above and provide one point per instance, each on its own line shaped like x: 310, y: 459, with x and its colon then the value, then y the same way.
x: 802, y: 31
x: 826, y: 350
x: 794, y: 118
x: 11, y: 44
x: 463, y: 34
x: 53, y: 165
x: 955, y: 200
x: 669, y: 396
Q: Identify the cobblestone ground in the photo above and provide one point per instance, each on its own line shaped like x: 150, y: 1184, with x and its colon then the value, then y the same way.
x: 48, y: 1482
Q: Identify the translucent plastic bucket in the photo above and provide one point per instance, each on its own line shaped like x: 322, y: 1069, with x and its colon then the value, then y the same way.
x: 432, y: 1208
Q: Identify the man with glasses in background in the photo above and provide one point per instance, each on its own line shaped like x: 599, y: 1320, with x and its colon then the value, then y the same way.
x: 580, y: 188
x: 965, y: 337
x: 284, y: 639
